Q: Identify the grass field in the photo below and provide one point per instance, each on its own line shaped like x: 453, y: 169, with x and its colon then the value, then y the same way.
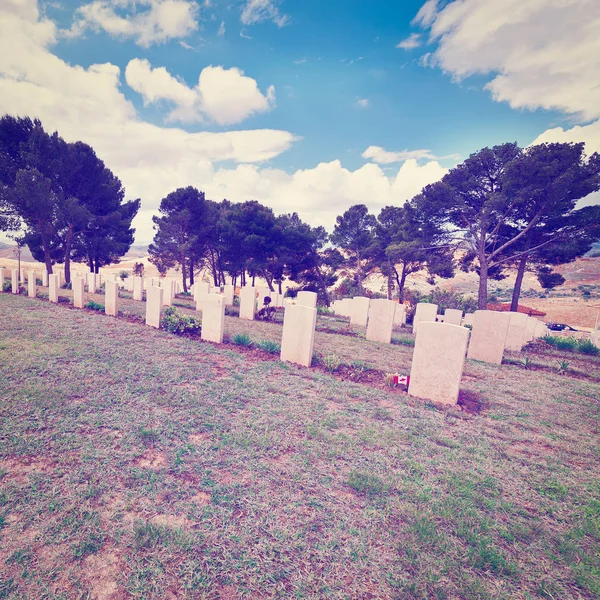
x: 138, y: 464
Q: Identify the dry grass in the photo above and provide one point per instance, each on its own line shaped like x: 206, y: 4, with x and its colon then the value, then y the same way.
x: 137, y: 464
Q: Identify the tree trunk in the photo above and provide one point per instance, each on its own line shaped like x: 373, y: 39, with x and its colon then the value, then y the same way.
x: 47, y: 258
x: 483, y: 278
x: 183, y: 262
x: 253, y: 280
x: 390, y: 281
x: 68, y: 241
x: 279, y: 288
x: 359, y: 273
x: 402, y: 283
x: 96, y: 265
x: 514, y: 305
x: 191, y: 272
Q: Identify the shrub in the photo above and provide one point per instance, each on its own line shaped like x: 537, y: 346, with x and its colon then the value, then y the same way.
x: 173, y: 322
x: 587, y: 347
x: 7, y: 287
x: 269, y: 346
x: 123, y: 275
x: 232, y: 311
x: 331, y: 362
x: 324, y: 310
x: 95, y: 305
x: 242, y: 339
x: 560, y: 343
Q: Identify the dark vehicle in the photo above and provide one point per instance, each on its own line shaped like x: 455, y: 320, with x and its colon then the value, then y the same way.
x: 560, y: 327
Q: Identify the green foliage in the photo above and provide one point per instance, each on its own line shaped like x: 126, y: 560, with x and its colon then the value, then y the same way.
x: 123, y: 275
x: 587, y: 347
x: 563, y: 367
x: 324, y: 310
x: 269, y: 346
x: 173, y: 322
x: 7, y: 287
x: 95, y: 306
x: 572, y: 345
x: 331, y: 362
x: 242, y: 339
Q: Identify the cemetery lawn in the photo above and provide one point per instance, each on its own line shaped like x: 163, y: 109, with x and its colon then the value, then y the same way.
x: 138, y: 464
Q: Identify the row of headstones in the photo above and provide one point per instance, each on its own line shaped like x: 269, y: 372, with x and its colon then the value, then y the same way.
x: 440, y: 347
x: 378, y: 316
x: 442, y: 342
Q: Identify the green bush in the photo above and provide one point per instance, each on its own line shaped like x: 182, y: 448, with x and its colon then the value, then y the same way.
x: 324, y: 310
x: 7, y: 287
x: 173, y: 322
x: 232, y: 311
x: 269, y: 346
x: 95, y: 306
x: 586, y: 347
x: 242, y: 339
x: 331, y: 362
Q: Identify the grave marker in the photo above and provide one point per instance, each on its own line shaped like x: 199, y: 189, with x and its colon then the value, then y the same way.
x: 307, y: 299
x: 1, y: 279
x: 15, y: 281
x: 138, y: 288
x: 111, y: 298
x: 78, y: 294
x: 515, y: 338
x: 438, y: 362
x: 228, y: 294
x: 400, y: 315
x: 31, y: 284
x: 53, y: 286
x: 213, y: 318
x: 247, y: 303
x: 381, y: 321
x: 154, y: 303
x: 360, y: 311
x: 424, y: 312
x: 453, y: 316
x: 298, y: 334
x: 488, y: 338
x: 45, y: 278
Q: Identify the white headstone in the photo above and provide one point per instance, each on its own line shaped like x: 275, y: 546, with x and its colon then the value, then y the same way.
x: 381, y: 321
x: 111, y: 298
x: 488, y: 337
x: 452, y: 316
x: 154, y: 303
x: 438, y: 361
x: 53, y: 286
x: 468, y: 319
x: 213, y: 318
x: 360, y: 311
x: 247, y: 302
x: 228, y: 294
x: 400, y: 315
x: 307, y: 299
x: 138, y: 288
x: 15, y: 280
x: 78, y: 294
x: 169, y: 291
x: 298, y: 334
x: 45, y: 278
x: 515, y: 338
x: 201, y: 287
x: 31, y: 284
x: 530, y: 326
x: 92, y: 283
x: 1, y: 280
x: 424, y: 312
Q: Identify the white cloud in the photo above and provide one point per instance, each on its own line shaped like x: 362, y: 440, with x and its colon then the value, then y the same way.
x: 162, y: 20
x: 541, y: 53
x: 382, y: 157
x: 411, y: 42
x: 362, y: 102
x: 226, y: 96
x: 222, y: 29
x: 87, y: 104
x: 257, y: 11
x: 590, y: 134
x: 300, y: 61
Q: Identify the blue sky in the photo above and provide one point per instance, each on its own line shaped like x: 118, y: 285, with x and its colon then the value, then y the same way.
x: 330, y: 55
x: 292, y: 94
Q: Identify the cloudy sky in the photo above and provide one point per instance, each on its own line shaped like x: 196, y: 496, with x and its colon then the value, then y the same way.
x: 305, y: 105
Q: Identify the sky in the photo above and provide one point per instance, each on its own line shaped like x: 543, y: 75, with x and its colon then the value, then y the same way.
x: 307, y: 106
